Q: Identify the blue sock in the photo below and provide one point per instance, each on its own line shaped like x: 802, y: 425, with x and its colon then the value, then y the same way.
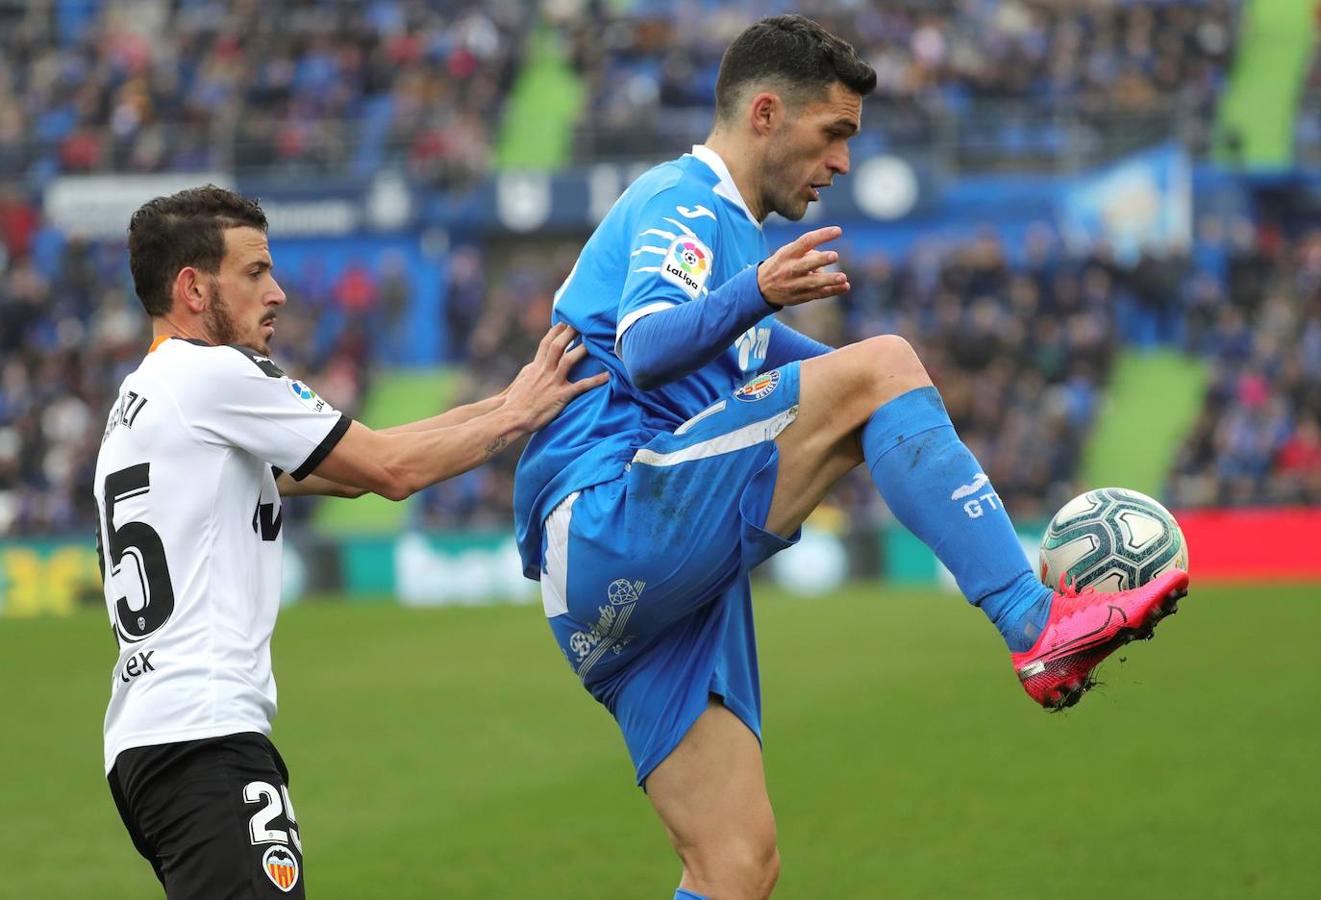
x: 937, y: 490
x: 681, y: 894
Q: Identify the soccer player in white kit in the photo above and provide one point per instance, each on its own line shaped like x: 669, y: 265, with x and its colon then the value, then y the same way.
x: 203, y: 440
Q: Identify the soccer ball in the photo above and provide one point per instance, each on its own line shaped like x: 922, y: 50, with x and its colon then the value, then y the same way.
x: 1111, y: 539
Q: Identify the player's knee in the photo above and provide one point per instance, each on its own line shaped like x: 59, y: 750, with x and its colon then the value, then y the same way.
x: 892, y: 357
x: 761, y: 869
x: 742, y: 868
x: 771, y: 871
x: 892, y: 366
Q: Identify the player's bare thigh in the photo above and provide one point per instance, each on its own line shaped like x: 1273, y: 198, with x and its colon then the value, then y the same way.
x: 710, y: 793
x: 838, y: 393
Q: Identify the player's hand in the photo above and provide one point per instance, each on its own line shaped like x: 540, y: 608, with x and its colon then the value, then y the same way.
x: 794, y: 275
x: 543, y: 387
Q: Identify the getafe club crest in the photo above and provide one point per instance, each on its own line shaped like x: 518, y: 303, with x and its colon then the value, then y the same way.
x: 760, y: 387
x: 281, y: 867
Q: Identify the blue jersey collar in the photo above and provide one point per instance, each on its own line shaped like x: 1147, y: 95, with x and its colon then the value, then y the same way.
x: 726, y: 188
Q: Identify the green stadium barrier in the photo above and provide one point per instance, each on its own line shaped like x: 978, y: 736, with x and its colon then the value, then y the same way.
x: 57, y: 577
x: 436, y: 570
x: 47, y: 577
x: 906, y: 559
x: 367, y: 566
x: 909, y: 562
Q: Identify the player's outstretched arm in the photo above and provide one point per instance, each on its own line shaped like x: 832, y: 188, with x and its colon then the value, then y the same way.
x: 397, y: 463
x: 315, y: 485
x: 456, y: 416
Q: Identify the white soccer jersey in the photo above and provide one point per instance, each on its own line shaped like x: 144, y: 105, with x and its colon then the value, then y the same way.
x: 189, y: 535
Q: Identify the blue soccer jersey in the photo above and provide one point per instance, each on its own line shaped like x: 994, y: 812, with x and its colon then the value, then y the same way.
x: 680, y: 231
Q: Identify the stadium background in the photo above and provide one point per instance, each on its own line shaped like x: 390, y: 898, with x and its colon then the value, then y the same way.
x: 1100, y: 222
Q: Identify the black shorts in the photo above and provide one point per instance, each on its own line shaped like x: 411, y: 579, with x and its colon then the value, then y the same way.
x: 212, y: 817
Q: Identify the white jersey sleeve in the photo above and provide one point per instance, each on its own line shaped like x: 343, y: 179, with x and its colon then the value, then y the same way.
x: 243, y: 399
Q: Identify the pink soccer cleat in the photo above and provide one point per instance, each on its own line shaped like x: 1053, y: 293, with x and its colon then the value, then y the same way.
x: 1084, y: 628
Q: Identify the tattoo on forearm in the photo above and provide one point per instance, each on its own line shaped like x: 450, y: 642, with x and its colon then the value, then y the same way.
x: 497, y: 445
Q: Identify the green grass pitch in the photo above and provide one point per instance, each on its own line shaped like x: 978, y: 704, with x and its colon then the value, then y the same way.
x: 451, y: 754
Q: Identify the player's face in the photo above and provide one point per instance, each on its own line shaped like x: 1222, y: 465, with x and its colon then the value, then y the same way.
x: 810, y: 150
x: 244, y: 297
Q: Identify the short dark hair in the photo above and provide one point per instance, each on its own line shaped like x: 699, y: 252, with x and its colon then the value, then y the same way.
x: 184, y: 229
x: 794, y: 51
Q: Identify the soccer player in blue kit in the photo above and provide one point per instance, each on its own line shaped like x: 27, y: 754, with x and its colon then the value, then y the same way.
x: 644, y: 506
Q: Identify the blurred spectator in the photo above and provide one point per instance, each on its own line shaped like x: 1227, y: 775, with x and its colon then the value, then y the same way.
x: 332, y: 86
x: 939, y: 63
x: 303, y: 86
x: 1257, y: 439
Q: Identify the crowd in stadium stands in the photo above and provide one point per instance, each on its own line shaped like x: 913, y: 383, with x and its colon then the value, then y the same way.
x: 297, y: 86
x: 935, y: 60
x: 314, y: 86
x: 71, y: 329
x: 1257, y: 439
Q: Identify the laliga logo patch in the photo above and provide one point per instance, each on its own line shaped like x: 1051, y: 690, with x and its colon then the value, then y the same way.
x: 691, y: 258
x: 281, y: 867
x: 687, y: 264
x: 759, y: 388
x: 307, y: 395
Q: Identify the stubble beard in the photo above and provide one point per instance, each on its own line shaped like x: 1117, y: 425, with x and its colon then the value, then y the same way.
x: 790, y: 207
x: 222, y: 329
x: 778, y: 197
x: 793, y: 212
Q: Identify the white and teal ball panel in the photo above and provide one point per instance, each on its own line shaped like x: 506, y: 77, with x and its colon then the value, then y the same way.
x: 1111, y: 539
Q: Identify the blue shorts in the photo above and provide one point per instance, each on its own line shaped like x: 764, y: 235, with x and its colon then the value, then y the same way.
x: 646, y: 576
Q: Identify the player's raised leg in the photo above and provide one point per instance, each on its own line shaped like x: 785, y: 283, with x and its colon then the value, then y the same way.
x: 711, y: 795
x: 872, y: 402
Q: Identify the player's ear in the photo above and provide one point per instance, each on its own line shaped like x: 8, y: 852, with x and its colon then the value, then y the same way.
x: 189, y: 289
x: 764, y: 112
